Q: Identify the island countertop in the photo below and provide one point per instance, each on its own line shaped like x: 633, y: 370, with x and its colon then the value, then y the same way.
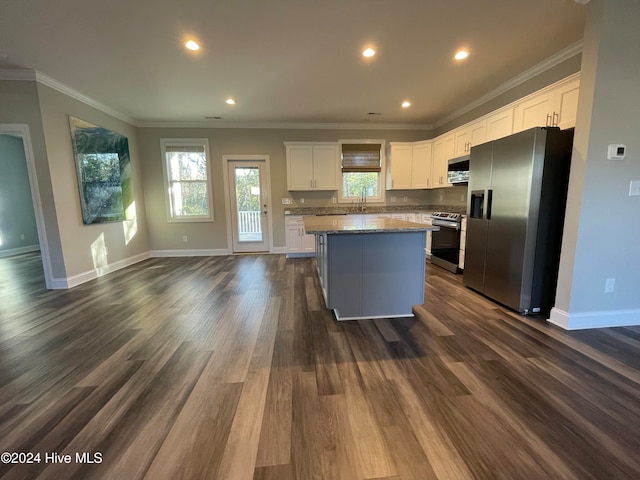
x: 345, y: 224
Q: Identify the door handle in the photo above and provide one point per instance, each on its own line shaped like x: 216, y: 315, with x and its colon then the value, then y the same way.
x: 489, y: 203
x: 556, y: 119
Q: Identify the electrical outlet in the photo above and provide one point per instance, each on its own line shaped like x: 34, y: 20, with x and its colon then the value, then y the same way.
x: 405, y: 198
x: 22, y: 236
x: 393, y: 199
x: 184, y: 238
x: 634, y: 188
x: 462, y: 197
x: 609, y: 285
x: 334, y: 200
x: 302, y: 200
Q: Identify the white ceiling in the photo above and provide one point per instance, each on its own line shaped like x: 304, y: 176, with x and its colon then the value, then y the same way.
x: 285, y: 60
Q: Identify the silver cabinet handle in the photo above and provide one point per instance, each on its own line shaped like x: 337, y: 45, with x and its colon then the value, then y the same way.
x: 548, y: 122
x: 311, y: 183
x: 556, y: 119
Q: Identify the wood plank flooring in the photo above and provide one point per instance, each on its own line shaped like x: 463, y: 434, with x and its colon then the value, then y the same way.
x: 229, y: 368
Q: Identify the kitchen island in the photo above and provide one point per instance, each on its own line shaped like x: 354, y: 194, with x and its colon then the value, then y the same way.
x: 369, y: 266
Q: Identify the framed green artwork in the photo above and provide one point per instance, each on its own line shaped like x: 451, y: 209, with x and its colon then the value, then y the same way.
x: 104, y: 172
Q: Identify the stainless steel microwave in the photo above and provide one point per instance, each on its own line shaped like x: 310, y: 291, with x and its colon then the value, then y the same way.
x: 458, y: 170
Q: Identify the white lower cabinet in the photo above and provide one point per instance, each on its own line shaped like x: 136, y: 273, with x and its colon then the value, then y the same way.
x: 298, y: 243
x: 426, y: 218
x: 463, y: 241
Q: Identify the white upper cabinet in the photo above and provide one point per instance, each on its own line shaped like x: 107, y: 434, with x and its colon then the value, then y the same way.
x: 443, y: 150
x: 567, y: 103
x: 468, y: 136
x: 312, y: 166
x: 499, y: 124
x: 326, y: 167
x: 399, y: 160
x: 408, y: 165
x: 555, y: 106
x: 421, y: 166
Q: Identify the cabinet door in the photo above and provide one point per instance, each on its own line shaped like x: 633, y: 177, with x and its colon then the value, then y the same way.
x: 462, y: 139
x: 477, y: 134
x: 499, y: 125
x: 293, y: 243
x: 400, y: 167
x: 534, y: 112
x: 566, y: 107
x: 421, y: 166
x: 307, y: 242
x: 299, y: 167
x: 325, y: 167
x: 442, y: 151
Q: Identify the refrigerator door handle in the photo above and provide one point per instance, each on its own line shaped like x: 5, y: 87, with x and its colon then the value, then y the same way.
x: 489, y: 202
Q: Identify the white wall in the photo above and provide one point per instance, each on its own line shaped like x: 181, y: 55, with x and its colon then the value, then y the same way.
x: 602, y: 229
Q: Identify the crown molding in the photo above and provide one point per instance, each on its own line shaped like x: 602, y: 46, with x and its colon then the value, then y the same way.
x: 62, y: 88
x: 543, y: 66
x: 17, y: 75
x: 287, y: 125
x: 35, y: 76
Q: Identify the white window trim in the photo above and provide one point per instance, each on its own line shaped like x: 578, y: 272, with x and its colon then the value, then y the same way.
x: 186, y: 142
x: 383, y: 171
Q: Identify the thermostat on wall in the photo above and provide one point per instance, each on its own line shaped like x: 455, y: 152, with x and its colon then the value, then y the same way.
x: 616, y: 152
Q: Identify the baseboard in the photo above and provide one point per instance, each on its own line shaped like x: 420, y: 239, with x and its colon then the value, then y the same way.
x: 10, y: 252
x: 191, y: 253
x: 75, y: 280
x: 602, y: 319
x: 279, y: 250
x: 301, y: 255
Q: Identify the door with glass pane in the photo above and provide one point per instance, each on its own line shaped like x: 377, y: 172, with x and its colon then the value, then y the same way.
x: 249, y: 202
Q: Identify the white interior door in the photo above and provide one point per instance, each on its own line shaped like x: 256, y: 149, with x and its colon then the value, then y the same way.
x: 249, y: 205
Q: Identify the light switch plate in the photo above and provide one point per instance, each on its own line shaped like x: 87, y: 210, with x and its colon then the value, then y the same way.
x: 616, y: 151
x: 634, y: 188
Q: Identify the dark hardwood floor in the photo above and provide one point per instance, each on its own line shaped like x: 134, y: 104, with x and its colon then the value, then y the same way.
x: 229, y: 367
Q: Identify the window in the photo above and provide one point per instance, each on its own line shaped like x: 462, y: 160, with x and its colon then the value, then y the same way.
x: 186, y: 173
x: 362, y: 172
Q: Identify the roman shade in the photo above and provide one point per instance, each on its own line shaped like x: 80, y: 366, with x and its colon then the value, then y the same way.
x: 184, y: 148
x: 361, y: 157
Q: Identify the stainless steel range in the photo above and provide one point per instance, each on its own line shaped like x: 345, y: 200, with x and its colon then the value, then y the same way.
x: 445, y: 243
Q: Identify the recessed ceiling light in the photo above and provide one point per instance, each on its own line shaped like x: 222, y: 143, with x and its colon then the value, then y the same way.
x: 461, y: 55
x: 368, y: 52
x: 230, y: 101
x: 406, y: 104
x: 192, y: 45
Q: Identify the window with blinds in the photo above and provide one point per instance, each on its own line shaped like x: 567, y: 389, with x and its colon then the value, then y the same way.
x: 361, y: 172
x: 186, y: 172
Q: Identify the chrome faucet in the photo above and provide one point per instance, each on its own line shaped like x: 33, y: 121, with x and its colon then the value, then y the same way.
x: 363, y: 200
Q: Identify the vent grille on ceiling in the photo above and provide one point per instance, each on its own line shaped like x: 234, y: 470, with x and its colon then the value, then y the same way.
x: 361, y: 157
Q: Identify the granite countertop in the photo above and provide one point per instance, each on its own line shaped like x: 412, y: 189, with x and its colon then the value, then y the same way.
x: 360, y: 224
x: 342, y: 210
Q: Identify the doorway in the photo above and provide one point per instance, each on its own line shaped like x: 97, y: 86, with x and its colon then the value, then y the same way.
x: 249, y: 204
x: 22, y: 131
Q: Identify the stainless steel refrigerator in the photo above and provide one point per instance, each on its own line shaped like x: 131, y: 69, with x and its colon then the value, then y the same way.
x: 515, y: 213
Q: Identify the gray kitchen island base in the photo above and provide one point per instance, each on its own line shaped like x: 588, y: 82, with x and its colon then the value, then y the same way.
x: 373, y: 275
